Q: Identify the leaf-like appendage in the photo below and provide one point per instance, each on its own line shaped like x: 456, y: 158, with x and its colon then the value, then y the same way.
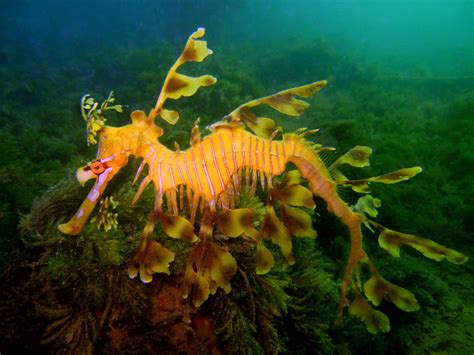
x: 178, y: 85
x: 169, y: 116
x: 293, y: 177
x: 208, y: 268
x: 93, y: 114
x: 297, y: 221
x: 357, y: 157
x: 152, y: 259
x: 195, y: 50
x: 275, y: 230
x: 234, y: 223
x: 362, y: 185
x: 376, y: 287
x: 368, y: 205
x: 178, y: 227
x: 265, y: 259
x: 374, y: 320
x: 106, y: 217
x: 283, y: 101
x: 397, y: 176
x: 391, y: 241
x: 196, y: 285
x: 220, y: 266
x: 262, y: 126
x: 296, y: 195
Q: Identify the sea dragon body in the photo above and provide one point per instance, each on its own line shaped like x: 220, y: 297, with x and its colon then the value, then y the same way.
x: 197, y: 190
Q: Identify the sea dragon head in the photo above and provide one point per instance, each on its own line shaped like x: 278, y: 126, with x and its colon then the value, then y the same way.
x: 116, y: 144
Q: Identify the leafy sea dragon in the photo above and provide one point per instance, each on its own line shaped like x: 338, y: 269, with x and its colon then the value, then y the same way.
x: 196, y: 192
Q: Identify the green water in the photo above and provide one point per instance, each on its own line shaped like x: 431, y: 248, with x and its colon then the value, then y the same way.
x: 400, y: 80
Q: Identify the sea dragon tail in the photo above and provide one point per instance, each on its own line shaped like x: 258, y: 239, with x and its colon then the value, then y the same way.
x: 313, y: 170
x: 321, y: 183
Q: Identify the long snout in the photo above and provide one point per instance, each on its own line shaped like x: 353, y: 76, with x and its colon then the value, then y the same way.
x: 76, y: 223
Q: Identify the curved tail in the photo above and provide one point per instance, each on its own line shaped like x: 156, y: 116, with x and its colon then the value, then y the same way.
x: 321, y: 183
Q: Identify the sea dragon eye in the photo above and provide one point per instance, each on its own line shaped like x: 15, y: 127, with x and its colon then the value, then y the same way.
x: 97, y: 167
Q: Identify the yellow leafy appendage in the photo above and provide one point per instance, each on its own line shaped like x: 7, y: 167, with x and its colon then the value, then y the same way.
x: 197, y: 191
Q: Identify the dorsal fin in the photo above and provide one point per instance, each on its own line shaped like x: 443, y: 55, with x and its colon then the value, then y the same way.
x: 178, y: 85
x: 283, y: 101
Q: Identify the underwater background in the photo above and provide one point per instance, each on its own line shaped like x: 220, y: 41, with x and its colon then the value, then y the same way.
x: 400, y: 80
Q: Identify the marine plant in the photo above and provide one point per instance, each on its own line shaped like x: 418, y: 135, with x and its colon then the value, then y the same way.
x: 198, y: 193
